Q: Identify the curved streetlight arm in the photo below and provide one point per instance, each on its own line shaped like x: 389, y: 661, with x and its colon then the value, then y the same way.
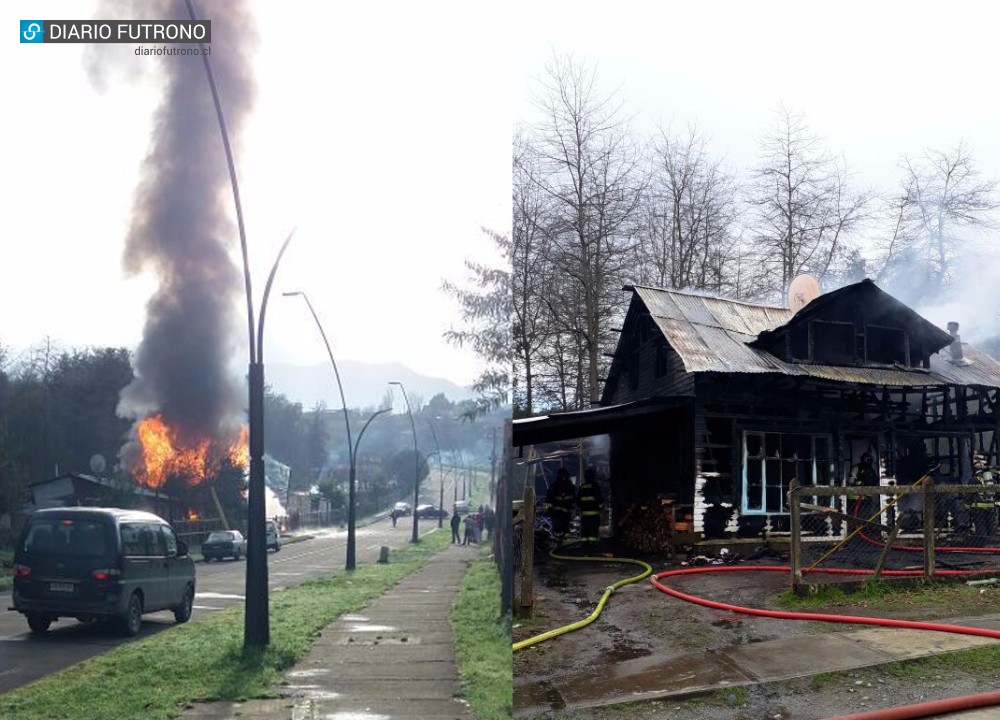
x: 357, y: 442
x: 267, y: 292
x: 416, y: 461
x: 336, y: 372
x: 236, y: 187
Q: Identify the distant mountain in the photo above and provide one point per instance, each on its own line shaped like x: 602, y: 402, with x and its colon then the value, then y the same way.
x: 365, y: 384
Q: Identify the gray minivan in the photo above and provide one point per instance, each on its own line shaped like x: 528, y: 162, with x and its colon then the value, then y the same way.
x: 100, y: 564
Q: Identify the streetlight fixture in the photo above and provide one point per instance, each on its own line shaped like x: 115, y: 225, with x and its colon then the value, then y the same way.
x: 256, y: 628
x: 416, y: 462
x: 440, y: 474
x: 347, y: 422
x: 351, y: 505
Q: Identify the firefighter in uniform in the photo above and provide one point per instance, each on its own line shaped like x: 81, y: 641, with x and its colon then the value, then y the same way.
x: 863, y: 474
x: 560, y: 498
x: 982, y: 507
x: 590, y: 499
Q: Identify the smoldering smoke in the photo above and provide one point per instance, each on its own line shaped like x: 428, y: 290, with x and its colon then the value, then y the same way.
x: 181, y: 232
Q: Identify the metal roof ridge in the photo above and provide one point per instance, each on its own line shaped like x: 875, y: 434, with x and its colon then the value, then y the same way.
x: 689, y: 293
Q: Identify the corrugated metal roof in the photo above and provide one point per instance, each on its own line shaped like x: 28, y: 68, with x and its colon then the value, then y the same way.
x: 712, y: 334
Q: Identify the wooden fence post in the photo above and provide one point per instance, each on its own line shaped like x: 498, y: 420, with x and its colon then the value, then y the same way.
x: 929, y: 517
x: 527, y: 549
x: 795, y: 545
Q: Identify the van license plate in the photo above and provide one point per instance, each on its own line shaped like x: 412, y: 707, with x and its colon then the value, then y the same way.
x: 61, y: 587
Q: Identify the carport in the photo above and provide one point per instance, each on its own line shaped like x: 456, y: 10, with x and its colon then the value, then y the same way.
x: 651, y: 445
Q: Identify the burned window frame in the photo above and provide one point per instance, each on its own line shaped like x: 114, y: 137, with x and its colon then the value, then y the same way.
x: 766, y: 437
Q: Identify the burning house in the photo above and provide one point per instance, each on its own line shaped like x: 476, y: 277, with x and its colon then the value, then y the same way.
x: 717, y: 405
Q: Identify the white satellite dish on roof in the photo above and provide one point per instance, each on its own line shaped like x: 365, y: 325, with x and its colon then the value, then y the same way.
x: 98, y: 464
x: 803, y: 290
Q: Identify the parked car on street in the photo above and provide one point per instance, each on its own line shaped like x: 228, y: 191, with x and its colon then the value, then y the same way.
x: 462, y: 507
x: 224, y: 543
x: 100, y: 564
x: 429, y: 511
x: 273, y: 536
x: 402, y: 508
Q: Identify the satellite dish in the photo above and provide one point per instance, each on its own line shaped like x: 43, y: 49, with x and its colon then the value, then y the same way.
x: 803, y: 290
x: 98, y: 464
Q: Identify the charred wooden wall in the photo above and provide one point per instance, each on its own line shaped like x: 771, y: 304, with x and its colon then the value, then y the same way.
x: 645, y: 365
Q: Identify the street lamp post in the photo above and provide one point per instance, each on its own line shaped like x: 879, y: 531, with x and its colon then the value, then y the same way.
x: 437, y: 449
x: 351, y: 504
x: 347, y: 422
x: 256, y: 628
x: 416, y: 462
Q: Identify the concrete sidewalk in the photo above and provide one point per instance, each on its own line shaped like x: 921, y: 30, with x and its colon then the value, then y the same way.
x: 761, y: 662
x: 394, y: 659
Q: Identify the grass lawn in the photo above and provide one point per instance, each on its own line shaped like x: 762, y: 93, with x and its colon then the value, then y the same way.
x: 482, y: 642
x: 204, y: 660
x: 935, y: 598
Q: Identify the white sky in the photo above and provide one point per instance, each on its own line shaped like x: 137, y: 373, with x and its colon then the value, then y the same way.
x: 875, y: 79
x: 381, y: 130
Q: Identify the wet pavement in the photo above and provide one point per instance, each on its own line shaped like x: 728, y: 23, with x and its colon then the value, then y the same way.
x: 394, y: 659
x: 701, y: 672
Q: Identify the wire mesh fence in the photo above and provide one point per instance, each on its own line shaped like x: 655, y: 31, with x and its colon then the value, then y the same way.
x: 923, y: 529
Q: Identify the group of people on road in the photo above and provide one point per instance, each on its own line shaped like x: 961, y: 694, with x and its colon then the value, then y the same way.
x: 475, y: 525
x: 561, y: 498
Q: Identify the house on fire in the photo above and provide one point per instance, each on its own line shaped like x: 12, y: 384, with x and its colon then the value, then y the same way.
x: 719, y: 404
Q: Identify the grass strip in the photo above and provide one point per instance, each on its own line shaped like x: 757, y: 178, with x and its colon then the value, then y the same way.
x: 156, y: 676
x: 482, y: 642
x: 956, y: 598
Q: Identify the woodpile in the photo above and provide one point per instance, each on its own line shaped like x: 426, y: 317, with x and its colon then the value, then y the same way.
x: 653, y: 529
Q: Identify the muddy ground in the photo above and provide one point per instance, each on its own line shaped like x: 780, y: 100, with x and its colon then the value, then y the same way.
x: 645, y: 633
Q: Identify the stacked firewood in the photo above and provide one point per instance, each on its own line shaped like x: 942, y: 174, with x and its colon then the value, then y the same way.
x: 648, y: 528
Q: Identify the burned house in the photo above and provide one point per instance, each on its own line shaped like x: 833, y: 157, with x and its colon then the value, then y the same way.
x: 718, y: 404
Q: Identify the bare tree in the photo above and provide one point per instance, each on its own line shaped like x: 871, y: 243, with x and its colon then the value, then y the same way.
x: 689, y: 214
x: 529, y: 273
x: 806, y: 208
x: 590, y: 170
x: 486, y: 310
x: 943, y: 202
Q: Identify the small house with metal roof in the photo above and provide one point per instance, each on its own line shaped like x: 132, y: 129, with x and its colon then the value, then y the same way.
x: 719, y: 404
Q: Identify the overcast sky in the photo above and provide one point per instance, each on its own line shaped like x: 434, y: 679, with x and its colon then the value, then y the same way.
x: 876, y: 80
x: 382, y: 131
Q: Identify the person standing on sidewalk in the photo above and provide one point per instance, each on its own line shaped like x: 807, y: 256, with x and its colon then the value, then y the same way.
x: 470, y: 530
x: 456, y: 520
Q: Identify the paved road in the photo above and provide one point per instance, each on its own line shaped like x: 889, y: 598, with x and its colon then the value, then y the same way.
x: 25, y: 657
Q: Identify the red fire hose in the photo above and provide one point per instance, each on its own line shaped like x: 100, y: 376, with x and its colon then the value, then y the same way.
x: 913, y: 548
x: 927, y: 709
x: 899, y: 713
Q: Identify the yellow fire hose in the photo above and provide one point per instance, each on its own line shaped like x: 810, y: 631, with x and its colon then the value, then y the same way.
x: 648, y: 570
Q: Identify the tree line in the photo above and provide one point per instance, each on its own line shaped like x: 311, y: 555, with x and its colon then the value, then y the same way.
x: 596, y: 206
x: 58, y: 411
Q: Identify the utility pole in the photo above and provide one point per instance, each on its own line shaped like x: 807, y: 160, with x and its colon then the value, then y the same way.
x: 493, y: 469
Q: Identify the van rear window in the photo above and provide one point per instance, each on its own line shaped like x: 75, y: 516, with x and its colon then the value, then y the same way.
x: 73, y: 537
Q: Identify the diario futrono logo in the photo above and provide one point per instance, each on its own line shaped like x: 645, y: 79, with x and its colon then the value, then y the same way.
x: 32, y: 31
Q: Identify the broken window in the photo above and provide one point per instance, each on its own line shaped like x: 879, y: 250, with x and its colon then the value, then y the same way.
x: 886, y: 345
x: 833, y: 342
x: 772, y: 460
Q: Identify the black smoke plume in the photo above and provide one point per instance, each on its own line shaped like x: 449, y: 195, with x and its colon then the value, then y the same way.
x: 181, y: 231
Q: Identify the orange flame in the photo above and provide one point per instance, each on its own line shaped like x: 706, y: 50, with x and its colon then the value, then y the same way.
x: 163, y: 455
x: 239, y: 451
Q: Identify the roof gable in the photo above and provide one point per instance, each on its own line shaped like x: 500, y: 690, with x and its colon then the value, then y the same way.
x: 862, y: 303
